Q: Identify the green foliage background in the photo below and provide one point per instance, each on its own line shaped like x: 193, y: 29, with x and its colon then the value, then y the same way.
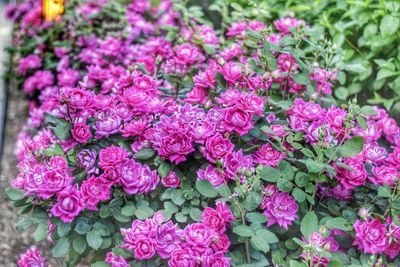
x: 366, y: 30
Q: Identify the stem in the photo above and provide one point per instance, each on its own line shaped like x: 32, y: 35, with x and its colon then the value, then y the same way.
x: 246, y: 241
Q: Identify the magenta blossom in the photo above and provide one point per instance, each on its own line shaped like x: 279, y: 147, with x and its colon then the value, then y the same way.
x: 281, y: 208
x: 69, y: 205
x: 371, y: 236
x: 31, y: 258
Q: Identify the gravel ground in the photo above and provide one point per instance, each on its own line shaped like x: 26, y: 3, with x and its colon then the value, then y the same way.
x: 12, y: 242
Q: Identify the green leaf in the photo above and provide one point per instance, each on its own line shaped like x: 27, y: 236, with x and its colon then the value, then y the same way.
x: 206, y: 189
x: 60, y: 127
x: 357, y: 68
x: 82, y: 228
x: 301, y: 179
x: 285, y: 185
x: 164, y: 169
x: 14, y: 194
x: 368, y: 110
x: 309, y: 224
x: 24, y: 224
x: 253, y: 200
x: 338, y: 223
x: 144, y: 212
x: 352, y: 147
x: 40, y: 232
x: 195, y: 214
x: 384, y: 73
x: 79, y: 244
x: 384, y: 192
x: 177, y: 197
x: 256, y: 217
x: 299, y: 195
x: 63, y: 228
x: 94, y: 239
x: 144, y: 154
x: 100, y: 264
x: 61, y: 247
x: 313, y: 166
x: 286, y: 170
x: 267, y: 235
x: 243, y: 230
x: 269, y: 174
x: 224, y: 190
x: 389, y: 25
x: 294, y: 263
x: 259, y: 243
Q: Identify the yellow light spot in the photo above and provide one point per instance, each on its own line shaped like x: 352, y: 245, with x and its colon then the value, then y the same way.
x: 52, y: 9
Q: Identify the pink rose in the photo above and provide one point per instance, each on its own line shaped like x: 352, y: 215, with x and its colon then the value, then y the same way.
x: 217, y: 147
x: 81, y: 132
x: 235, y: 162
x: 281, y: 208
x: 187, y: 54
x: 213, y: 220
x: 44, y: 183
x: 171, y: 180
x: 307, y: 111
x: 145, y: 248
x: 94, y: 190
x: 394, y: 158
x: 137, y: 178
x: 182, y: 258
x: 216, y: 260
x: 371, y: 236
x: 167, y: 238
x: 222, y: 243
x: 268, y: 156
x: 107, y: 126
x: 384, y: 175
x: 69, y: 205
x: 393, y: 248
x: 389, y: 126
x: 284, y: 24
x: 79, y: 99
x: 31, y: 258
x: 210, y: 174
x: 232, y: 72
x: 223, y: 209
x: 198, y: 234
x: 116, y: 261
x: 238, y: 120
x: 374, y: 153
x: 30, y: 62
x: 352, y: 178
x: 112, y: 156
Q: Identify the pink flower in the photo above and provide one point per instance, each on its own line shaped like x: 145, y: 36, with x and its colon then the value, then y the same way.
x: 384, y: 175
x: 171, y: 180
x: 68, y: 77
x: 284, y: 24
x: 167, y: 238
x: 69, y: 205
x: 94, y: 190
x: 87, y: 159
x: 145, y: 248
x: 213, y: 220
x: 107, y: 126
x: 352, y: 178
x: 210, y: 174
x: 198, y: 234
x: 223, y: 209
x: 79, y: 99
x: 44, y: 182
x: 232, y: 72
x: 238, y: 120
x: 30, y: 62
x: 216, y: 260
x: 217, y: 147
x: 394, y: 158
x: 187, y: 54
x: 112, y: 156
x: 116, y: 261
x: 222, y: 243
x: 389, y: 126
x: 371, y: 236
x: 393, y: 248
x: 138, y: 179
x: 374, y: 153
x: 31, y: 258
x: 182, y: 258
x: 235, y: 162
x: 281, y: 208
x: 307, y: 111
x: 268, y: 156
x: 81, y: 132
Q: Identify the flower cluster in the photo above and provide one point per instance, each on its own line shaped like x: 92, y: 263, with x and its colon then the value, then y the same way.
x: 223, y: 147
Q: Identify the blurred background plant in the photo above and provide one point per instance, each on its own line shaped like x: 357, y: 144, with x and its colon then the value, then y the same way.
x: 366, y: 31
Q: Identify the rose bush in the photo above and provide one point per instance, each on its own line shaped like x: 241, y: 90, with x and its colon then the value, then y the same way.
x: 154, y: 140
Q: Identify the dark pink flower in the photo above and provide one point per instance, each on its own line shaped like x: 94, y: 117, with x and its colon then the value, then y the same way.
x: 69, y: 205
x: 281, y: 208
x: 371, y: 236
x: 31, y: 258
x: 237, y: 119
x: 171, y: 180
x: 81, y: 132
x: 145, y: 248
